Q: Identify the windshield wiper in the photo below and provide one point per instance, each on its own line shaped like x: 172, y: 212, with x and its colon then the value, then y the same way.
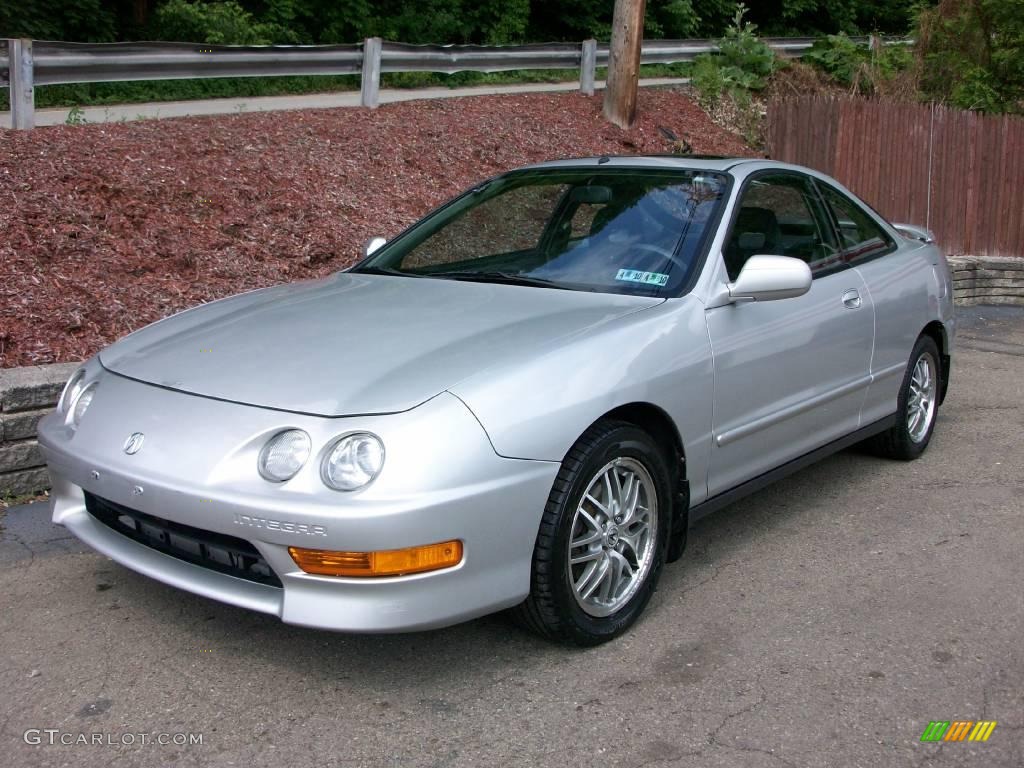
x: 505, y: 278
x: 384, y: 271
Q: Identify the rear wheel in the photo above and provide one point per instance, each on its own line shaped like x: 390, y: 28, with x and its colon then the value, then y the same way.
x: 918, y: 406
x: 601, y: 543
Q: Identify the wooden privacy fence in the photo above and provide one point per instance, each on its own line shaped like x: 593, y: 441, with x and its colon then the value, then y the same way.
x: 959, y: 173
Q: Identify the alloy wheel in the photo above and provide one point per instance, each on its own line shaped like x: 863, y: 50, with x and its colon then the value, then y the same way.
x: 613, y: 538
x: 921, y: 397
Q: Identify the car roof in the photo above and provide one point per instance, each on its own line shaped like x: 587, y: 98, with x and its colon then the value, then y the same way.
x: 739, y: 167
x: 695, y: 162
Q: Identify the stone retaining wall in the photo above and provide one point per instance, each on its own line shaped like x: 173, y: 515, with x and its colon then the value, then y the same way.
x: 26, y: 395
x: 987, y: 280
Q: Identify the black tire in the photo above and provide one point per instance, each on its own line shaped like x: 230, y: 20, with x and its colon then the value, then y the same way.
x: 680, y: 533
x: 897, y: 441
x: 552, y: 609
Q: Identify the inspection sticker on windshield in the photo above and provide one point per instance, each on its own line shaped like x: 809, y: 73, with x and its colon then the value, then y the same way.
x: 636, y: 276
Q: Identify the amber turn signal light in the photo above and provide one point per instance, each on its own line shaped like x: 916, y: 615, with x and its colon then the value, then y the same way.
x: 388, y: 562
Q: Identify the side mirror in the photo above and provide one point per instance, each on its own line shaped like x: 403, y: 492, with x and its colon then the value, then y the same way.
x: 766, y: 278
x: 373, y: 244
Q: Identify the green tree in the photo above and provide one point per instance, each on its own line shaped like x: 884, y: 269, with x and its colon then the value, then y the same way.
x: 92, y: 21
x: 218, y: 23
x: 812, y: 17
x: 972, y: 54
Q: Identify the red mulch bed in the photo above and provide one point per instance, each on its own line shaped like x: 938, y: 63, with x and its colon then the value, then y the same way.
x: 105, y: 228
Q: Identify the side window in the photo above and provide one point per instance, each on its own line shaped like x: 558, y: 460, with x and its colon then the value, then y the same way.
x: 473, y: 235
x: 780, y: 215
x: 860, y: 236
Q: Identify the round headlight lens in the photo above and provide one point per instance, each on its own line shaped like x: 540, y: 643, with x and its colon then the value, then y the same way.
x: 353, y: 462
x: 283, y: 455
x: 72, y: 389
x: 81, y: 402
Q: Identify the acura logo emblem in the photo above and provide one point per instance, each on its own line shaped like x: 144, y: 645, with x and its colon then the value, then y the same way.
x: 133, y: 443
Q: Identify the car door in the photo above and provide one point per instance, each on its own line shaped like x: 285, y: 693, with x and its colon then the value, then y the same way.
x: 790, y: 375
x: 896, y: 278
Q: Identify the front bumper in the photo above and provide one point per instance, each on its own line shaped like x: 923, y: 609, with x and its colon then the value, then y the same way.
x: 442, y: 480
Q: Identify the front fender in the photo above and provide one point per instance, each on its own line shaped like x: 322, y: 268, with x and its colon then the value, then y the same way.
x: 538, y: 408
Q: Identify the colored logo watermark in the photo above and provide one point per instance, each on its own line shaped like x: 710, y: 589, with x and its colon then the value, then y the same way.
x: 958, y: 730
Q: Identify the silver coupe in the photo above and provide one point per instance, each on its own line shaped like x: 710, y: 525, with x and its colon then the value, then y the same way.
x: 521, y: 402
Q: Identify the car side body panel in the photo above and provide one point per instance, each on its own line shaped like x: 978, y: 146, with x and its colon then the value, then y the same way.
x: 902, y: 293
x: 790, y: 376
x: 903, y: 308
x: 537, y: 408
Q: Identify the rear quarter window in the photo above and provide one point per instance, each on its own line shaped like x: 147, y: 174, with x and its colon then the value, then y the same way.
x: 860, y: 236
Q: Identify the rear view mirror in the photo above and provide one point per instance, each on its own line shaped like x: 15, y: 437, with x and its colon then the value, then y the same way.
x: 373, y: 244
x: 592, y: 195
x: 767, y: 278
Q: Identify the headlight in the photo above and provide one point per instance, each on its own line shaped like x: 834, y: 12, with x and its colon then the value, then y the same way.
x: 283, y: 455
x: 71, y: 390
x: 80, y: 402
x: 353, y: 462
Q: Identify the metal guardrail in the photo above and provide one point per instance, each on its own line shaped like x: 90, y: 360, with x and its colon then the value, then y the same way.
x: 27, y: 63
x: 57, y: 63
x: 404, y: 57
x: 674, y: 51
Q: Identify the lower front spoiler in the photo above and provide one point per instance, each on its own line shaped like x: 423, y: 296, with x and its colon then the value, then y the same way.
x: 381, y: 605
x: 170, y: 570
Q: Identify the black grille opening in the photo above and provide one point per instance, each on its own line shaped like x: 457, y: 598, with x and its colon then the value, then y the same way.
x: 216, y: 551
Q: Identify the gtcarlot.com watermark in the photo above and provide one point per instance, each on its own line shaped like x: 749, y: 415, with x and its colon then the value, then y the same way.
x: 53, y: 737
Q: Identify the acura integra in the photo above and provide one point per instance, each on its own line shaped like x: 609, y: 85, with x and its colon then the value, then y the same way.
x: 521, y: 402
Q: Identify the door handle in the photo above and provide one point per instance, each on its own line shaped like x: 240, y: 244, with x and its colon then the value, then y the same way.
x: 851, y: 299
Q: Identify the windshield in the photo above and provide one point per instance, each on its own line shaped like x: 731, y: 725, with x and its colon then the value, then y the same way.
x: 616, y: 231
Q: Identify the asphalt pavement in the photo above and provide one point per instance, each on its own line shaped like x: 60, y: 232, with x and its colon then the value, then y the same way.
x: 824, y: 622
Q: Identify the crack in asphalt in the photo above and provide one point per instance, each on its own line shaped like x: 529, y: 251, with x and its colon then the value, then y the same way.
x: 715, y: 571
x: 712, y: 737
x: 936, y: 484
x: 991, y: 350
x: 987, y: 339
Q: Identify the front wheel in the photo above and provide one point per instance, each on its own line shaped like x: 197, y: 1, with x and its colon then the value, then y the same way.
x: 917, y: 407
x: 601, y: 543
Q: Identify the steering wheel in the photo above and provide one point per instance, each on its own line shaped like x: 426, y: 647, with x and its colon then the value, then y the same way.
x: 663, y: 252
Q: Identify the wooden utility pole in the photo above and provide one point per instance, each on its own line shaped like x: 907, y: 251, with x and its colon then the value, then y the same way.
x: 624, y: 62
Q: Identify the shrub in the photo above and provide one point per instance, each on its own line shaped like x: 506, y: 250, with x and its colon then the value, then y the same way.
x: 838, y: 56
x: 858, y: 67
x: 743, y: 64
x: 708, y: 80
x: 76, y: 116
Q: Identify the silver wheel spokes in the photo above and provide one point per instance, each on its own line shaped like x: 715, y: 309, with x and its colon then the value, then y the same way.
x: 921, y: 399
x: 612, y: 541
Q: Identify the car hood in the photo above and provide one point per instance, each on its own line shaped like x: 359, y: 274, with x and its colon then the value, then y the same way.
x: 353, y: 343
